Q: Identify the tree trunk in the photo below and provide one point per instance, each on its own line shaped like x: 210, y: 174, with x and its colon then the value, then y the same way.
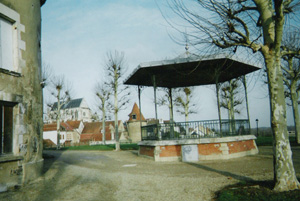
x: 116, y: 113
x: 103, y: 124
x: 58, y: 120
x: 246, y: 98
x: 231, y: 101
x: 294, y: 98
x: 284, y: 172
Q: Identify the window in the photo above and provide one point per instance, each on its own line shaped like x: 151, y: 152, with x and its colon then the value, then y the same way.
x: 134, y: 116
x: 6, y: 44
x: 6, y: 128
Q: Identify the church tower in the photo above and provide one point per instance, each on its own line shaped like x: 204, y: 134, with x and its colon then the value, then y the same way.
x: 136, y: 120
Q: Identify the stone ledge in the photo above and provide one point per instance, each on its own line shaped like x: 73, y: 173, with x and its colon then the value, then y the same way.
x: 10, y: 157
x: 228, y: 156
x: 196, y: 141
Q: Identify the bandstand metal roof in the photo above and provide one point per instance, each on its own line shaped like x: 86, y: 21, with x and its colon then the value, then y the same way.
x: 189, y: 70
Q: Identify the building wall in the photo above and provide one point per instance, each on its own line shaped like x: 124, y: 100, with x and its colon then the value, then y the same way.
x: 51, y: 135
x: 134, y: 130
x: 83, y: 114
x: 207, y: 149
x: 22, y: 87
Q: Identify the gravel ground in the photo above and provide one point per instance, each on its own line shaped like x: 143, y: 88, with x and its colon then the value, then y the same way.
x: 110, y: 175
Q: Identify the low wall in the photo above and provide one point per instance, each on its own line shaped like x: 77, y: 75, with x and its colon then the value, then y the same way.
x: 199, y: 149
x: 11, y: 172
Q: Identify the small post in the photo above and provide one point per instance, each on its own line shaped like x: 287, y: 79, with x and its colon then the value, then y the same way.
x: 256, y: 127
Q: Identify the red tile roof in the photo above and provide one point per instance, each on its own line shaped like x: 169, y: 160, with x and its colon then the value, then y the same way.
x: 48, y: 143
x: 92, y: 128
x: 136, y: 111
x: 92, y: 131
x: 74, y: 124
x: 50, y: 127
x: 90, y: 137
x: 67, y: 126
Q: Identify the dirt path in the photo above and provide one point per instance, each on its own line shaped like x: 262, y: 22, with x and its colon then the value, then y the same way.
x: 93, y: 175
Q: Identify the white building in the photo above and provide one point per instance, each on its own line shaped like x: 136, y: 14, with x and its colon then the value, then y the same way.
x: 73, y: 110
x: 70, y: 132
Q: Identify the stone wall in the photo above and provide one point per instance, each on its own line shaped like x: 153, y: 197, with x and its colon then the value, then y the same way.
x: 206, y: 148
x: 20, y: 88
x: 134, y: 130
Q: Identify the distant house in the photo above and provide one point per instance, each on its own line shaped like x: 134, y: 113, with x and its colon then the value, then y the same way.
x: 70, y: 132
x: 74, y: 110
x: 92, y: 132
x: 136, y: 120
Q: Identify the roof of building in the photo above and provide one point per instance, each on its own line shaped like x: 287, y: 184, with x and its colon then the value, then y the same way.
x: 136, y: 111
x: 190, y: 70
x: 89, y: 137
x: 96, y: 127
x: 48, y: 143
x: 67, y: 126
x: 49, y: 127
x: 75, y: 103
x: 73, y: 124
x: 92, y: 128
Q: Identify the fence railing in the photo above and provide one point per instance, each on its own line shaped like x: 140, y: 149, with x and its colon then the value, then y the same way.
x: 195, y: 129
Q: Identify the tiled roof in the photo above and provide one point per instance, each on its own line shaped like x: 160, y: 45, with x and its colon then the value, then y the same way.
x: 90, y: 137
x: 92, y: 128
x: 72, y: 124
x: 67, y: 126
x: 49, y: 127
x: 135, y: 111
x: 48, y: 143
x: 71, y: 104
x: 96, y: 127
x: 92, y: 131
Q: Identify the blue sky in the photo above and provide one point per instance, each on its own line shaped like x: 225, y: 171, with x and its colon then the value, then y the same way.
x: 76, y: 35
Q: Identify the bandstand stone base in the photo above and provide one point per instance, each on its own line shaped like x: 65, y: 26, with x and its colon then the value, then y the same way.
x: 189, y: 150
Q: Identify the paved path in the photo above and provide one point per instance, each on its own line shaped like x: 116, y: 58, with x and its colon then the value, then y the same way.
x: 110, y: 175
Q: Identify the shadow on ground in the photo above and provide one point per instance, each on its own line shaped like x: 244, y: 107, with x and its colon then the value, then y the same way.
x: 224, y: 173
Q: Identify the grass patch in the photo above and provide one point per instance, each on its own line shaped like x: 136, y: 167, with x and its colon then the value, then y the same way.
x: 259, y: 191
x: 267, y: 141
x: 109, y: 147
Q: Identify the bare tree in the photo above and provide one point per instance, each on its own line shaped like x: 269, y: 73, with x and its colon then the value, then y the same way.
x: 229, y: 100
x: 184, y: 102
x: 103, y: 94
x: 166, y: 99
x: 61, y: 93
x: 291, y: 74
x: 259, y: 26
x: 47, y: 74
x: 115, y: 68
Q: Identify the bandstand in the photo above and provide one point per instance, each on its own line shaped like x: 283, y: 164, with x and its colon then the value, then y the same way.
x: 194, y: 140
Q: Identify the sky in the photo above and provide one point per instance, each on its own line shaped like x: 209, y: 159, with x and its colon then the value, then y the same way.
x: 77, y: 35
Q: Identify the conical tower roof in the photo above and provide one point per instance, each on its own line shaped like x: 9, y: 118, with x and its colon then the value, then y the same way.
x: 135, y: 114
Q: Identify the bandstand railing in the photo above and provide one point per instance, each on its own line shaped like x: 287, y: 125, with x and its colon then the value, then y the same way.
x: 195, y: 129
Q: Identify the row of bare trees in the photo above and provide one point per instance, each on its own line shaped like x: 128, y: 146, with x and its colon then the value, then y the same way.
x: 111, y: 92
x: 112, y: 95
x: 60, y: 89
